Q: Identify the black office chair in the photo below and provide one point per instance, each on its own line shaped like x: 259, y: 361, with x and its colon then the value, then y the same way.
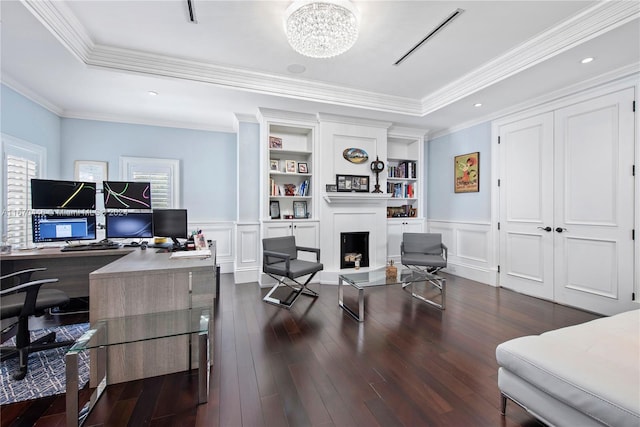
x: 423, y: 251
x: 22, y: 298
x: 280, y: 261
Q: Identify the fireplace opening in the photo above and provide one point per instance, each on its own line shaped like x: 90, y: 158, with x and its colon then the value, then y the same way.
x: 354, y: 249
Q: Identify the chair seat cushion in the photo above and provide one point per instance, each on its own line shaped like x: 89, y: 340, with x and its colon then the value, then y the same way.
x: 297, y: 268
x: 47, y: 298
x: 423, y: 259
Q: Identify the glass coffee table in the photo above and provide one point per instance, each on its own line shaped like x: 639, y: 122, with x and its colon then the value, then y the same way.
x: 405, y: 277
x: 135, y: 329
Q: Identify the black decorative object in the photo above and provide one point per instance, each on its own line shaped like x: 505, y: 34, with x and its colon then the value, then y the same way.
x: 377, y: 166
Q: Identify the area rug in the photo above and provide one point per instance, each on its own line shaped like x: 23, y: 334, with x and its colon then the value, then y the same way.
x: 46, y: 374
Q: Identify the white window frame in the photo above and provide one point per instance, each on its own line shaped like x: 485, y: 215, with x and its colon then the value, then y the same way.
x: 20, y: 148
x: 130, y: 164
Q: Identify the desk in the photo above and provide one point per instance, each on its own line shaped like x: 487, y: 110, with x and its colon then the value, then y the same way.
x: 141, y: 328
x: 144, y: 282
x: 72, y: 268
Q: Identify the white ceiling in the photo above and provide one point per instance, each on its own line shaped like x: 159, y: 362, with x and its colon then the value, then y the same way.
x: 99, y: 59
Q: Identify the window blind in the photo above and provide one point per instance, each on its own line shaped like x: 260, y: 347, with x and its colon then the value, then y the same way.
x: 19, y: 172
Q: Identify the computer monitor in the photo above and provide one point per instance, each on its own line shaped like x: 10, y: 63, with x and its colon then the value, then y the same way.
x: 126, y: 195
x: 56, y: 194
x: 170, y: 223
x: 129, y: 225
x: 62, y: 228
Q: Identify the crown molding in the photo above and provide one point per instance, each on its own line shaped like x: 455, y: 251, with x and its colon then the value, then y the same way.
x: 12, y: 83
x: 358, y: 121
x: 128, y: 119
x: 600, y: 18
x: 630, y: 73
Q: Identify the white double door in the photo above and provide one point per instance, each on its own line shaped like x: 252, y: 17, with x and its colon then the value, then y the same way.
x: 567, y: 204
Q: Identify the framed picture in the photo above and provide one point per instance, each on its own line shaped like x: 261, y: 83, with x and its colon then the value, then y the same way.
x: 274, y: 209
x: 331, y: 188
x: 354, y: 183
x: 302, y: 167
x: 92, y: 171
x: 274, y: 165
x: 300, y: 209
x: 467, y: 173
x: 275, y: 142
x: 290, y: 166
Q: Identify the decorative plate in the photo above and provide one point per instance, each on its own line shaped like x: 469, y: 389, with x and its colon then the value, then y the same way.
x: 355, y: 155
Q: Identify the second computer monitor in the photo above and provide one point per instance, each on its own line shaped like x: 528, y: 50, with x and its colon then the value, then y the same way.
x: 170, y: 223
x: 129, y: 225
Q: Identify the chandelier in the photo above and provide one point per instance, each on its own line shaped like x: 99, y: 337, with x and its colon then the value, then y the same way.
x: 322, y: 28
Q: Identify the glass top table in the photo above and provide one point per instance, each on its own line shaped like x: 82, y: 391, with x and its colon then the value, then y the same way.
x: 132, y: 329
x: 405, y: 276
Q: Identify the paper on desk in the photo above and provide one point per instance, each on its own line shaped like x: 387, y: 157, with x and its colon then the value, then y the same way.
x: 200, y: 253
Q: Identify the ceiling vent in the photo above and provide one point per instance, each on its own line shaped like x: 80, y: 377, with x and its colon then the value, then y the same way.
x: 432, y: 33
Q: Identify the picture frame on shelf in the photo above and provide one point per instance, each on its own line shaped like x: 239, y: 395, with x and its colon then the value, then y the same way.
x: 290, y: 166
x: 275, y: 142
x: 274, y: 209
x: 300, y: 209
x: 302, y: 167
x: 352, y: 183
x: 274, y: 165
x: 331, y: 188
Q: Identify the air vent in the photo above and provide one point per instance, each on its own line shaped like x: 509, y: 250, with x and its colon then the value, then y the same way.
x: 432, y: 33
x: 192, y: 12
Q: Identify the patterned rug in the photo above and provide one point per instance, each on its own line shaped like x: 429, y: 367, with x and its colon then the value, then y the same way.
x: 46, y: 374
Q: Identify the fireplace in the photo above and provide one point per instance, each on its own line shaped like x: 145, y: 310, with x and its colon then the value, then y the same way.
x: 354, y: 249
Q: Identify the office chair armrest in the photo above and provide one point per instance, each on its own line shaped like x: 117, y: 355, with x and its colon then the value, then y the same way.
x: 25, y: 286
x: 445, y: 250
x: 21, y: 273
x: 307, y: 249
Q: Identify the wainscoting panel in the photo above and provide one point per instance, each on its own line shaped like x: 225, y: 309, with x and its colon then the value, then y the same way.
x: 222, y: 233
x: 469, y: 249
x: 247, y: 252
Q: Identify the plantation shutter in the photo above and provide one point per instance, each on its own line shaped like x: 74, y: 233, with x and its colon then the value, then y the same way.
x: 163, y: 174
x: 20, y: 171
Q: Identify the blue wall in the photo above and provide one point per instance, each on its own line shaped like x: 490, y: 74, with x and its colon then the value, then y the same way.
x: 443, y: 204
x: 207, y: 159
x: 26, y: 120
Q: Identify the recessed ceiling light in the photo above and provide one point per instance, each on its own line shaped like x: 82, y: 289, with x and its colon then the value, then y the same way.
x: 586, y: 60
x: 296, y: 68
x: 153, y: 93
x: 477, y: 104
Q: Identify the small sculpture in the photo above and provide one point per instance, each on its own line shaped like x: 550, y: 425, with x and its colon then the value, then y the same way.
x: 391, y: 272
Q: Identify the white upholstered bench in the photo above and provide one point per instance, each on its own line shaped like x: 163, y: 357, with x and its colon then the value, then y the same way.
x: 582, y: 375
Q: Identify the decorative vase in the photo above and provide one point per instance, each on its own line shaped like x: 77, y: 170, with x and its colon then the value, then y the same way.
x: 391, y: 272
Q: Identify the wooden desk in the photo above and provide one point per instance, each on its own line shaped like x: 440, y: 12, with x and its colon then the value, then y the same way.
x: 72, y: 268
x: 145, y: 282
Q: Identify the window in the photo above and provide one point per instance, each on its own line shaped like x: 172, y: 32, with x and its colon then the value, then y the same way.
x: 163, y: 174
x: 21, y: 161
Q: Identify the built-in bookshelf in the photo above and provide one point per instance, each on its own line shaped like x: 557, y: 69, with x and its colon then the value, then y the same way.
x: 404, y: 157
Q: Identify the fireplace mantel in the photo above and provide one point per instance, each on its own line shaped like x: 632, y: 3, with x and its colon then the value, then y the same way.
x: 355, y: 198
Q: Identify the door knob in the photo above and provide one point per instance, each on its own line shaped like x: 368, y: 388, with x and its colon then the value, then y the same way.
x: 547, y: 228
x: 560, y: 229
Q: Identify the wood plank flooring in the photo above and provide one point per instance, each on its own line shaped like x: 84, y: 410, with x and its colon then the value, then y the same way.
x: 408, y: 364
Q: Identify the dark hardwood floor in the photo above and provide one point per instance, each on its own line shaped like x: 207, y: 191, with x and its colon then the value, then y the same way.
x: 408, y: 364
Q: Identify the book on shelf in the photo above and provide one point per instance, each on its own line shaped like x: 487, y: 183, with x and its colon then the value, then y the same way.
x: 399, y: 190
x: 404, y: 169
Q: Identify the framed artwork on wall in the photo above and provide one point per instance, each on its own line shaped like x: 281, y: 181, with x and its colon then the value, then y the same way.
x: 91, y: 171
x: 352, y: 183
x: 467, y: 173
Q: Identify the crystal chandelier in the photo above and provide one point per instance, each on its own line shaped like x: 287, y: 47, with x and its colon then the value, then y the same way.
x: 322, y: 28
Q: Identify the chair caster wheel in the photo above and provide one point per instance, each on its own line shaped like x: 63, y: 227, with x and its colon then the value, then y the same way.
x: 20, y: 374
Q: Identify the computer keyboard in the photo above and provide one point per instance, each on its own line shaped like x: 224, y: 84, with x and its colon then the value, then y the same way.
x: 90, y: 247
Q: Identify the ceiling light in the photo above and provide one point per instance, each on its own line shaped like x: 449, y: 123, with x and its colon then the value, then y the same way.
x: 321, y: 29
x: 152, y: 93
x: 477, y: 104
x: 586, y: 60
